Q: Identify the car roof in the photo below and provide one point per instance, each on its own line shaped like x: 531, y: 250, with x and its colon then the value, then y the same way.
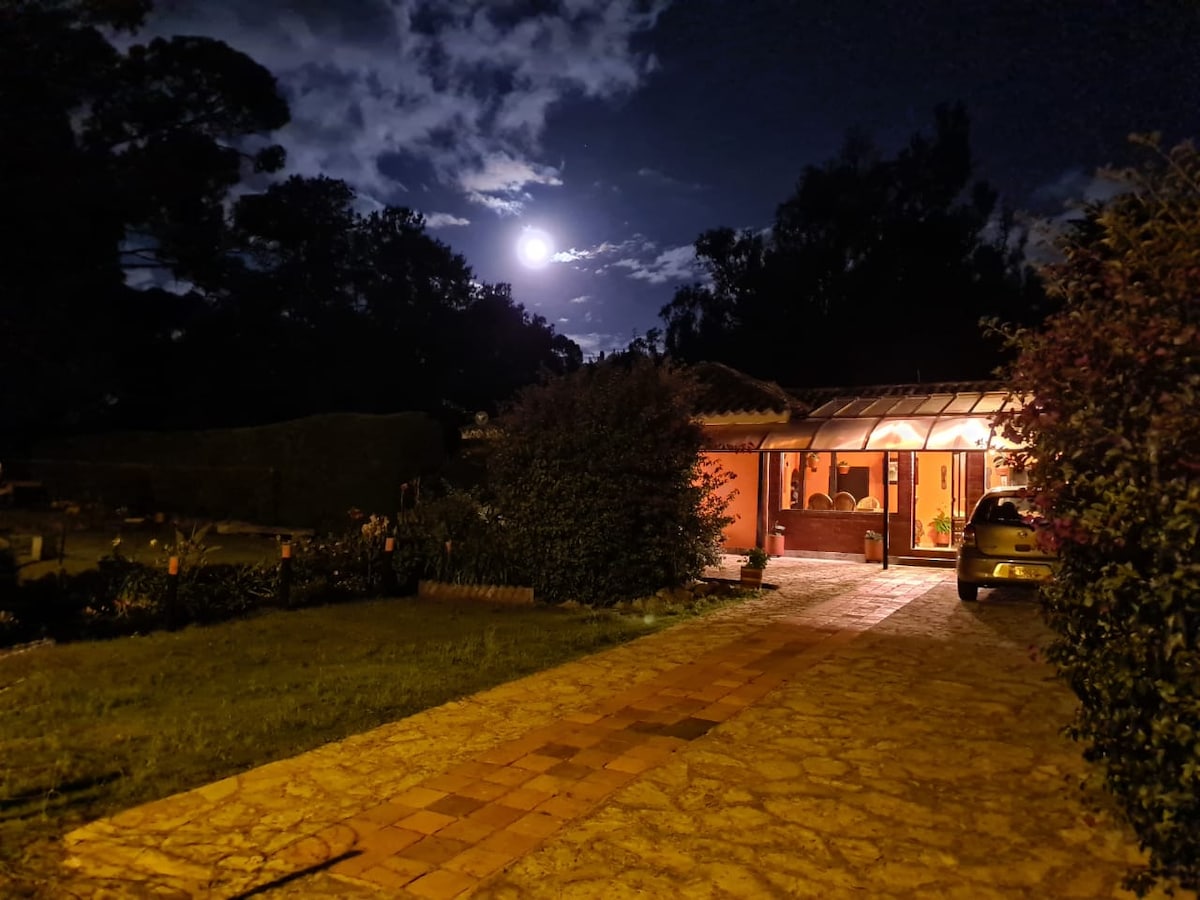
x: 1008, y: 490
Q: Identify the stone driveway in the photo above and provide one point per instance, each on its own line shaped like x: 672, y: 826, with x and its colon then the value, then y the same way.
x: 855, y: 733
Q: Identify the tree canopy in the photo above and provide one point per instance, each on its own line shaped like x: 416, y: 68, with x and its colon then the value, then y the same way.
x: 874, y: 270
x: 119, y: 167
x: 1113, y: 399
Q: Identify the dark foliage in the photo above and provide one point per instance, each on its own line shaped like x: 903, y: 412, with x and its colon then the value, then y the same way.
x: 117, y: 168
x: 1114, y: 397
x: 597, y: 480
x: 875, y: 271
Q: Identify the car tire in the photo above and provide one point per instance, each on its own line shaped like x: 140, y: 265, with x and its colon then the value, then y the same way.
x: 968, y: 593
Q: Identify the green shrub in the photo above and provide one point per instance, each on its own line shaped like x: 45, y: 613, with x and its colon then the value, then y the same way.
x: 1113, y: 388
x: 599, y: 487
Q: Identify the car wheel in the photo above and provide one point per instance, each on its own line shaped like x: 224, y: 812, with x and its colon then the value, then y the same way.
x: 968, y: 593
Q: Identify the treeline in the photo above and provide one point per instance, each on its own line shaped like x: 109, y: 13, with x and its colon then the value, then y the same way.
x: 875, y: 270
x: 156, y: 272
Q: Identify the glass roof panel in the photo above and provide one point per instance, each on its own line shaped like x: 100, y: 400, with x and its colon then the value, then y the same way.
x: 900, y: 434
x: 934, y: 404
x: 1001, y: 443
x: 794, y: 436
x: 906, y: 406
x: 990, y: 402
x: 880, y: 407
x: 825, y: 410
x: 961, y: 403
x: 960, y: 433
x: 843, y: 434
x: 855, y: 407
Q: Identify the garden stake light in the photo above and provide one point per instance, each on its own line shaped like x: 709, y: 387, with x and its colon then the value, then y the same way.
x: 173, y: 593
x: 285, y: 573
x: 389, y: 571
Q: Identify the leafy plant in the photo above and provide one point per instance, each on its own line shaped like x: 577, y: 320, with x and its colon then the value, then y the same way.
x: 1112, y: 387
x: 756, y: 558
x: 941, y: 522
x: 598, y: 481
x: 874, y: 536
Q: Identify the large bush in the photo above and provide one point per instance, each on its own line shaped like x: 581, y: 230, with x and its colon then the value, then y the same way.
x: 597, y: 479
x: 1113, y: 426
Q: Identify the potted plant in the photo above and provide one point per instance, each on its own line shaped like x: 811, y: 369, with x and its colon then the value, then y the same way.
x: 812, y: 459
x: 941, y: 529
x: 843, y: 466
x: 873, y: 546
x: 752, y: 569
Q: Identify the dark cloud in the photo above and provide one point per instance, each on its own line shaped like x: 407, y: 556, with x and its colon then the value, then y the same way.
x: 464, y: 88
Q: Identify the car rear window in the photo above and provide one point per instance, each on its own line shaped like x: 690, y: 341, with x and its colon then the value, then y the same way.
x: 1007, y: 509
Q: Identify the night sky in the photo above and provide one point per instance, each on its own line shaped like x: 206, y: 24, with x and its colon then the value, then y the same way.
x: 620, y: 130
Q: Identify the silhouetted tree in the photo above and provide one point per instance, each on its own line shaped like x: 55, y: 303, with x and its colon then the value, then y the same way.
x: 875, y: 270
x: 109, y: 161
x: 117, y: 163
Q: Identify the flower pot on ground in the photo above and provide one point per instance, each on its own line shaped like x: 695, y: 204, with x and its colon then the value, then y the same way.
x: 873, y: 546
x: 752, y: 568
x: 775, y: 542
x: 941, y: 529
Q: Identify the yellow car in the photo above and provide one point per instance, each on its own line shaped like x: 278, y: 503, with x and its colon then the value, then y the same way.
x: 1000, y: 544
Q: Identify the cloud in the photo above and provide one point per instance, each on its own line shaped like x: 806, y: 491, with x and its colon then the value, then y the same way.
x: 444, y: 220
x: 654, y: 176
x: 676, y: 264
x: 582, y: 298
x: 501, y: 206
x: 463, y: 90
x: 605, y: 248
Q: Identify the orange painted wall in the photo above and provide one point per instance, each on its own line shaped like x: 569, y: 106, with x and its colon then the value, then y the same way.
x: 744, y: 506
x: 931, y: 497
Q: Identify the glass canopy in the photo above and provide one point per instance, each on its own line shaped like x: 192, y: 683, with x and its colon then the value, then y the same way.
x: 931, y: 421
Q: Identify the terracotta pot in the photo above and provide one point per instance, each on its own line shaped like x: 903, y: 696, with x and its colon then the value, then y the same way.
x: 873, y: 550
x: 775, y: 545
x: 751, y: 578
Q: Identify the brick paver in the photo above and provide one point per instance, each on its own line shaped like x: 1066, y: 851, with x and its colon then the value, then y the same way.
x: 832, y: 738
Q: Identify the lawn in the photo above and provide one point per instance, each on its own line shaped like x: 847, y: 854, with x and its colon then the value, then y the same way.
x: 90, y: 728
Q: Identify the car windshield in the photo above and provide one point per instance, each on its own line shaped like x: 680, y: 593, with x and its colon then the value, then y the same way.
x: 1007, y: 509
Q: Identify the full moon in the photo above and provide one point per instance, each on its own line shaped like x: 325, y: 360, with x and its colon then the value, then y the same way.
x: 534, y: 248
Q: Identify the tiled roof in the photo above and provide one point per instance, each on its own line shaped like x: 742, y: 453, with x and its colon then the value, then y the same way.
x: 724, y: 390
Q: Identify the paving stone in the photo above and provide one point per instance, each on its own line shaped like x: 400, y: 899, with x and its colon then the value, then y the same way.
x: 854, y: 733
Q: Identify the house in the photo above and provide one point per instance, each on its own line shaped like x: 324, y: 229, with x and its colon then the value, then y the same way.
x: 908, y: 460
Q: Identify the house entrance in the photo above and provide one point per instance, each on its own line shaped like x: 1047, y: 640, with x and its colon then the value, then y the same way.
x: 940, y: 498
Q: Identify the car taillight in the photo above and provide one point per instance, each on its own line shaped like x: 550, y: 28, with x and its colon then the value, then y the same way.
x: 968, y: 536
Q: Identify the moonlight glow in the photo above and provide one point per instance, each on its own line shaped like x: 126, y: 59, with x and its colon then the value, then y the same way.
x: 534, y: 248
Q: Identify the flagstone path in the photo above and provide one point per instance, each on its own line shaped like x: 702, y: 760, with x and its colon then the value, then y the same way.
x: 855, y: 733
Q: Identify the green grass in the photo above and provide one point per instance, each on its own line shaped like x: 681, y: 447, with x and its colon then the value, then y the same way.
x: 87, y: 729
